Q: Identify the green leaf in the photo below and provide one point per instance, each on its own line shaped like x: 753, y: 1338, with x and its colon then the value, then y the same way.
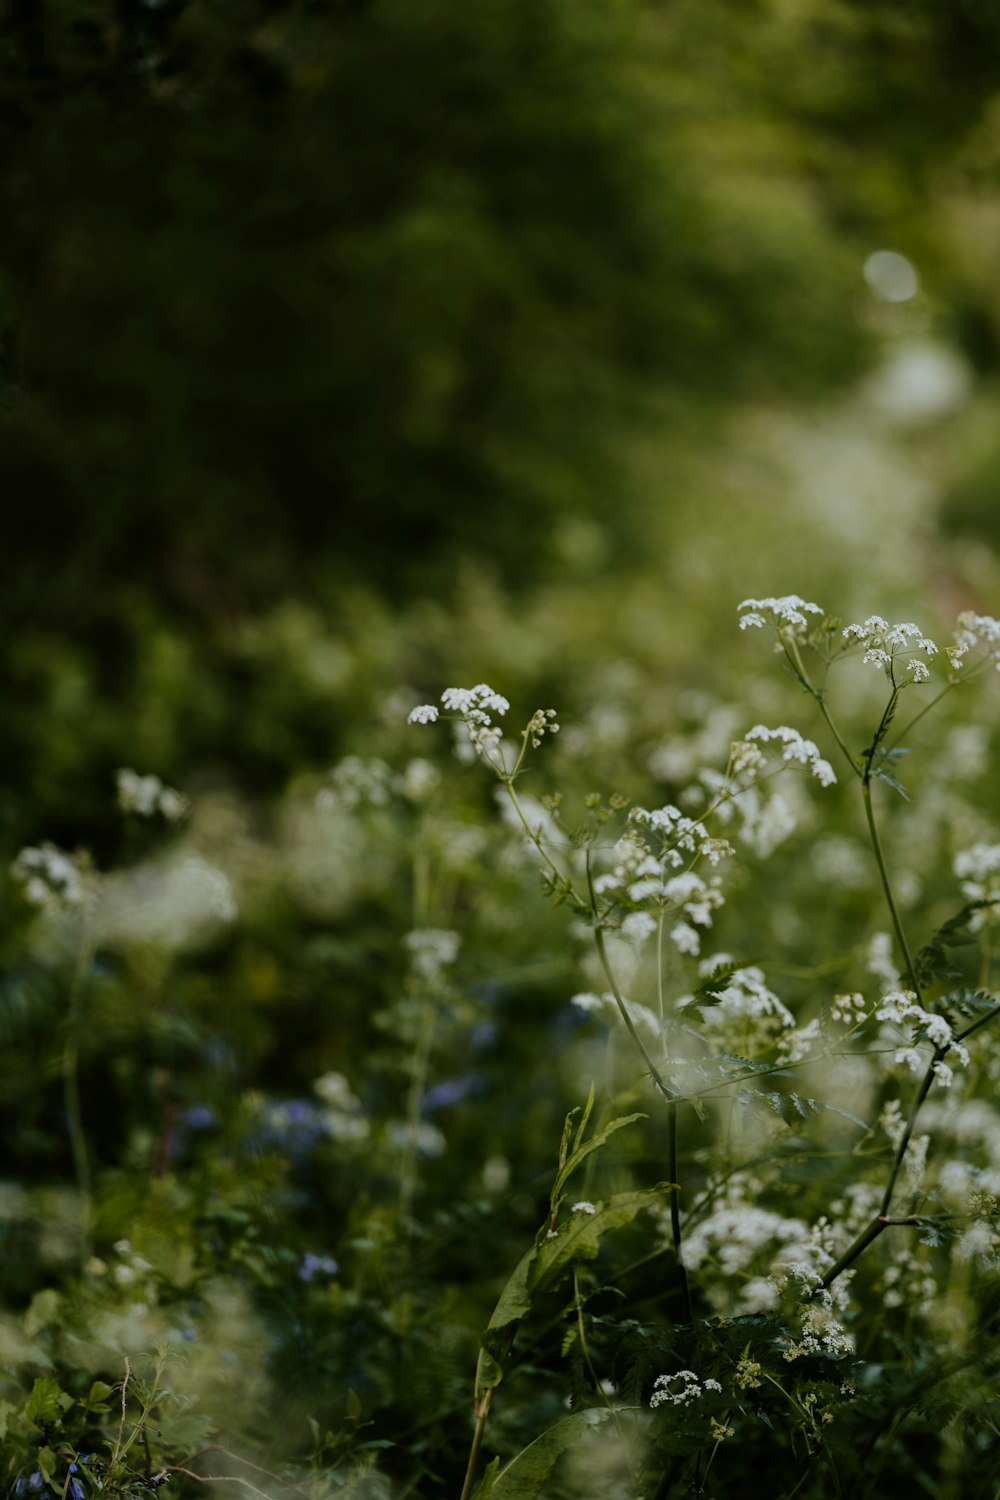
x: 485, y: 1486
x: 46, y: 1403
x: 526, y: 1475
x: 792, y: 1108
x: 513, y: 1305
x: 96, y: 1398
x: 932, y: 961
x: 880, y: 773
x: 594, y: 1144
x: 43, y: 1310
x: 578, y: 1238
x: 544, y: 1266
x: 585, y: 1121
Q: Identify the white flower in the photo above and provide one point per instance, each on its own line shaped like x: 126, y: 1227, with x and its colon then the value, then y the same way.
x: 424, y: 713
x: 787, y: 613
x: 911, y: 1057
x: 432, y: 949
x: 146, y: 796
x: 887, y: 643
x: 794, y: 748
x: 355, y: 782
x: 475, y: 703
x: 584, y: 1208
x: 685, y: 938
x: 975, y: 631
x: 637, y: 927
x: 679, y: 1389
x: 48, y: 876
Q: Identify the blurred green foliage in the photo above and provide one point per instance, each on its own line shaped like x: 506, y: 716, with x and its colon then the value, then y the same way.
x: 303, y: 297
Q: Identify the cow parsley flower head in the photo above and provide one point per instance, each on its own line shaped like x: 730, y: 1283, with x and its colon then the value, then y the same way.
x: 49, y: 877
x: 750, y: 760
x: 145, y: 796
x: 680, y: 1389
x: 978, y: 869
x: 975, y: 633
x: 788, y: 613
x: 887, y: 644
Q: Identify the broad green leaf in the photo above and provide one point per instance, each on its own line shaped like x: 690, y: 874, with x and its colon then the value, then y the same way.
x: 484, y: 1489
x: 514, y: 1303
x: 542, y: 1268
x: 594, y: 1144
x: 578, y: 1238
x: 47, y: 1402
x: 526, y: 1475
x: 43, y: 1310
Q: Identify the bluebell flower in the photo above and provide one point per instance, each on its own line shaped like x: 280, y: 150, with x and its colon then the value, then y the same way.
x: 452, y: 1091
x: 317, y: 1265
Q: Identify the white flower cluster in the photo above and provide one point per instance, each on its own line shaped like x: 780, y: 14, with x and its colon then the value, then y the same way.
x: 680, y: 1389
x: 978, y: 868
x: 975, y: 631
x: 646, y: 880
x: 49, y: 877
x: 354, y: 781
x: 343, y: 1117
x: 787, y: 613
x: 749, y: 759
x: 146, y: 796
x: 431, y: 950
x: 737, y: 1237
x: 744, y: 996
x: 850, y: 1010
x: 475, y: 705
x: 884, y: 644
x: 900, y: 1008
x: 639, y: 1014
x: 822, y: 1333
x: 680, y: 835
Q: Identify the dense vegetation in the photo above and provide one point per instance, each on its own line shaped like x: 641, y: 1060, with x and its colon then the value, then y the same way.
x: 352, y: 350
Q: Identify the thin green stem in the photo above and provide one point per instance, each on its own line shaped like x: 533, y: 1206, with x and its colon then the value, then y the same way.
x: 630, y: 1026
x: 675, y: 1211
x: 866, y: 792
x: 898, y: 738
x: 70, y: 1069
x: 819, y: 694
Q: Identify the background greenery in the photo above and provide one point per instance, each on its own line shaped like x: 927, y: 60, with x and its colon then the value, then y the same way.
x: 349, y: 349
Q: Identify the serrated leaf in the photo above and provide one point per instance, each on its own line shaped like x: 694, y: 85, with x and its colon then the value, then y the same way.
x: 525, y: 1476
x: 47, y: 1402
x: 792, y: 1107
x: 594, y: 1144
x: 732, y: 1062
x: 967, y: 1003
x: 932, y: 961
x: 880, y: 773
